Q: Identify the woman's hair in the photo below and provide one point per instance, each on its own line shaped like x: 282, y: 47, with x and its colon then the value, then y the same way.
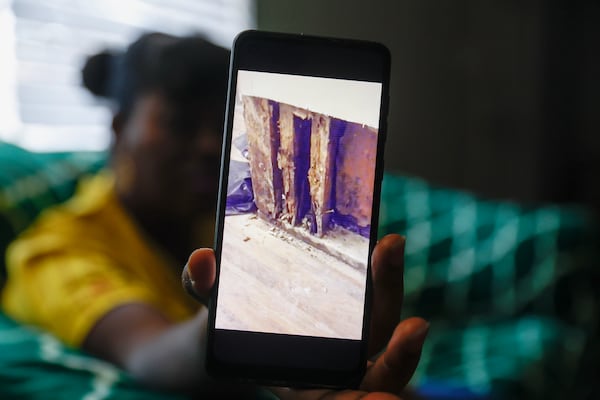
x: 183, y: 69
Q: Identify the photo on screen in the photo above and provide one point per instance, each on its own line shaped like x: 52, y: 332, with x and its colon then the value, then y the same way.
x: 299, y: 202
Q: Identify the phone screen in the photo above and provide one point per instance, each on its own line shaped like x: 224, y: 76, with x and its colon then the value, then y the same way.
x: 295, y: 242
x: 298, y: 207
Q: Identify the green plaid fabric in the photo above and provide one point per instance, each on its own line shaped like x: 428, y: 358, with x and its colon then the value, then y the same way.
x: 511, y: 291
x: 35, y: 365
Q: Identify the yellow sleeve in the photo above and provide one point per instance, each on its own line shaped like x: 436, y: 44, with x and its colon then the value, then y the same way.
x: 67, y: 294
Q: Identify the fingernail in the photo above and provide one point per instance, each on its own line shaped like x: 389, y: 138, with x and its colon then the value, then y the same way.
x: 187, y: 281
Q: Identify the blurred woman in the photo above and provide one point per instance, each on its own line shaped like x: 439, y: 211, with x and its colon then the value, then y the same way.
x: 103, y: 271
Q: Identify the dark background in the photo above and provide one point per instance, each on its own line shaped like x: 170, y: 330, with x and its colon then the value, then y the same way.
x: 500, y: 97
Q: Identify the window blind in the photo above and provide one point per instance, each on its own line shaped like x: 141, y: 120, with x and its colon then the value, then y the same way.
x: 43, y: 44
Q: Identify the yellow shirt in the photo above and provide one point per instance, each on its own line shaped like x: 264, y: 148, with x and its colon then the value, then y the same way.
x: 84, y: 258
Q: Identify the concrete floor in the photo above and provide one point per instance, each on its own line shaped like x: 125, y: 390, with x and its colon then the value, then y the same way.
x: 273, y: 282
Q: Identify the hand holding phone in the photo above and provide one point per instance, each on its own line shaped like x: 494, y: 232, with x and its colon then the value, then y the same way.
x: 298, y: 209
x: 391, y: 370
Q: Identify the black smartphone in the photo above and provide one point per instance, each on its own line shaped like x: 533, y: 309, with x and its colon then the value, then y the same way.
x: 298, y: 208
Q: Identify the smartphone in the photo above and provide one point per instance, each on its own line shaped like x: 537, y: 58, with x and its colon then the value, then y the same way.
x: 298, y: 207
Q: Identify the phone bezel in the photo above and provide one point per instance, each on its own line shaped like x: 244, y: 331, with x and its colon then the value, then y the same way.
x: 293, y: 360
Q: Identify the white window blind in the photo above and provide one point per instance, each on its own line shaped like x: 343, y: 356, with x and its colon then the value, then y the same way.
x: 43, y: 44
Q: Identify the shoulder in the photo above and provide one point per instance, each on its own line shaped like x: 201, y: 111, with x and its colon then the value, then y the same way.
x: 79, y: 221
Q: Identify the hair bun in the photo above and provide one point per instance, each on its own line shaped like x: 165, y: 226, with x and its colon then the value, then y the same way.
x: 96, y: 73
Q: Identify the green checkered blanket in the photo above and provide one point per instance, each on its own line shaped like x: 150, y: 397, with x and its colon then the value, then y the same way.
x: 35, y: 365
x: 510, y: 291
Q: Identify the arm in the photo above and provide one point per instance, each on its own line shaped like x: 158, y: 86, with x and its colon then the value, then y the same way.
x: 155, y: 351
x: 139, y: 339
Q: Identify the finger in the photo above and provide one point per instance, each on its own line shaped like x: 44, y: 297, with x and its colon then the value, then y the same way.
x: 326, y: 394
x: 198, y: 276
x: 394, y: 368
x: 387, y: 271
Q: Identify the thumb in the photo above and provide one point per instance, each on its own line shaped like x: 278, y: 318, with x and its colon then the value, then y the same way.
x: 198, y: 276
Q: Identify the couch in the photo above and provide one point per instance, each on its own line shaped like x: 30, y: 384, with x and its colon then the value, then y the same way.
x: 510, y: 290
